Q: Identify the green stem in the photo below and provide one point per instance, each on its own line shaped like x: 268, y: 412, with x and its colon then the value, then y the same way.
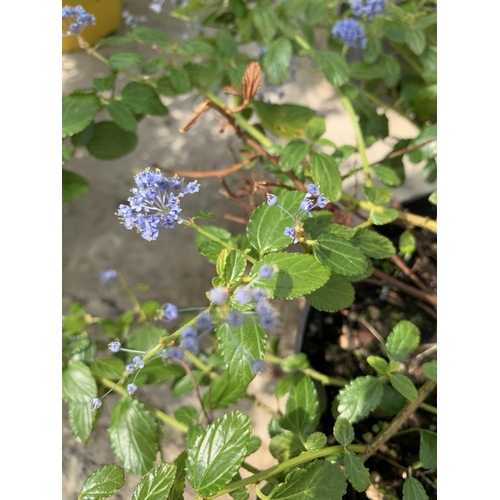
x: 404, y: 54
x: 429, y: 408
x: 260, y: 494
x: 288, y: 464
x: 132, y: 297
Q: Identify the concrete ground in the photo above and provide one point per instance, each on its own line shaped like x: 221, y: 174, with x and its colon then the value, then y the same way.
x: 171, y: 266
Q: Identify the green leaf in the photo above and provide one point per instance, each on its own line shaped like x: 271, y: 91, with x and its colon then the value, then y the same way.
x: 187, y: 415
x: 293, y: 155
x: 294, y: 362
x: 253, y: 445
x: 392, y: 70
x: 266, y: 224
x: 156, y: 484
x: 125, y: 60
x: 122, y: 115
x: 427, y: 152
x: 133, y: 434
x: 407, y: 242
x: 218, y: 452
x: 430, y: 370
x: 75, y: 344
x: 316, y: 11
x: 315, y: 129
x: 387, y: 175
x: 224, y: 391
x: 265, y: 22
x: 238, y: 7
x: 378, y: 364
x: 333, y: 66
x: 429, y: 172
x: 433, y: 198
x: 78, y: 384
x: 316, y: 441
x: 287, y: 121
x: 301, y: 415
x: 377, y: 196
x: 236, y: 345
x: 143, y: 99
x: 78, y: 111
x: 372, y: 50
x: 150, y: 36
x: 231, y: 265
x: 82, y: 138
x: 179, y: 78
x: 428, y: 450
x: 66, y: 154
x: 404, y: 386
x: 113, y: 41
x: 102, y: 483
x: 81, y: 420
x: 179, y: 483
x: 297, y: 275
x: 154, y: 65
x: 343, y: 431
x: 109, y: 367
x: 320, y: 222
x: 277, y: 60
x: 293, y: 8
x: 364, y: 71
x: 337, y: 293
x: 325, y: 173
x: 321, y: 480
x: 203, y: 214
x: 144, y: 337
x: 196, y: 47
x: 392, y: 402
x: 73, y: 186
x: 226, y: 44
x: 415, y: 39
x: 405, y: 337
x: 285, y: 446
x: 339, y: 255
x: 359, y: 398
x: 110, y: 141
x: 373, y: 244
x: 382, y: 218
x: 413, y: 490
x: 357, y: 474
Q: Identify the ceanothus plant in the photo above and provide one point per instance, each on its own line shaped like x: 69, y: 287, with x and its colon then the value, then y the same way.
x: 305, y: 236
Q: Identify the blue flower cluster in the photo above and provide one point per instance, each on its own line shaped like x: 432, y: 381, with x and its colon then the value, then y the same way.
x: 351, y: 32
x: 75, y: 19
x: 155, y: 203
x: 367, y: 8
x: 131, y: 20
x: 313, y: 198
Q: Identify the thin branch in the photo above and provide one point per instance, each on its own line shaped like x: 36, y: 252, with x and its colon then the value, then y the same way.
x: 401, y: 152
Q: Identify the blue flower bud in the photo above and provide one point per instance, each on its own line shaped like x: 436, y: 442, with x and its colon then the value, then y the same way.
x: 95, y: 403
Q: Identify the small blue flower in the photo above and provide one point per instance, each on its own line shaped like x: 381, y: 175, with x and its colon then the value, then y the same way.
x: 351, y: 33
x: 172, y: 353
x: 131, y: 388
x: 243, y: 294
x: 169, y: 311
x: 218, y: 295
x: 367, y: 8
x: 75, y: 20
x: 95, y: 403
x: 156, y: 6
x: 204, y: 321
x: 266, y: 271
x: 114, y: 346
x: 130, y: 368
x: 313, y: 189
x: 131, y: 20
x: 107, y: 275
x: 138, y: 362
x: 235, y: 319
x: 258, y: 294
x: 271, y: 199
x: 190, y: 344
x: 187, y: 332
x: 290, y: 232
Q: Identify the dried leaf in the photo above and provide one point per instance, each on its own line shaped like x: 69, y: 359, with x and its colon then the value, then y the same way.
x: 201, y: 109
x: 230, y: 90
x: 250, y: 82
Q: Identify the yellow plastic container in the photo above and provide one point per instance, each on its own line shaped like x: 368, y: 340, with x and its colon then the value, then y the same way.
x: 108, y: 18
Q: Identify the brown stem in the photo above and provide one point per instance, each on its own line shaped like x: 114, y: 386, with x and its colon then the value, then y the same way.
x: 403, y: 151
x: 408, y: 272
x: 196, y: 386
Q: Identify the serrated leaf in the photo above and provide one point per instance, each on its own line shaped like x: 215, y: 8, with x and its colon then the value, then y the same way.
x: 343, y: 431
x: 78, y: 111
x: 297, y: 275
x: 151, y: 36
x: 430, y: 370
x: 316, y: 441
x: 337, y: 293
x: 325, y: 173
x: 315, y: 129
x: 179, y: 483
x: 301, y: 415
x: 73, y: 186
x: 392, y: 402
x: 373, y: 244
x: 372, y: 50
x: 113, y: 41
x: 377, y: 196
x: 125, y: 60
x: 143, y: 337
x: 392, y: 70
x: 321, y: 480
x: 218, y: 452
x: 237, y: 345
x: 210, y: 249
x: 265, y: 22
x: 78, y: 384
x: 203, y: 214
x: 428, y: 450
x: 110, y: 141
x: 387, y: 175
x: 156, y: 484
x: 318, y: 223
x: 405, y: 337
x: 74, y: 344
x: 333, y: 66
x: 226, y: 44
x: 359, y: 398
x: 294, y: 362
x: 277, y: 60
x: 357, y: 474
x: 404, y: 386
x: 82, y: 138
x: 122, y: 115
x: 231, y: 265
x: 224, y: 391
x: 379, y: 364
x: 102, y: 483
x: 187, y: 415
x: 179, y: 79
x: 266, y: 224
x: 382, y: 218
x: 339, y: 255
x: 143, y: 99
x: 285, y: 446
x: 413, y: 490
x: 287, y: 121
x: 133, y: 434
x: 415, y: 39
x: 109, y: 367
x: 81, y: 421
x: 364, y: 71
x: 154, y: 65
x: 293, y: 155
